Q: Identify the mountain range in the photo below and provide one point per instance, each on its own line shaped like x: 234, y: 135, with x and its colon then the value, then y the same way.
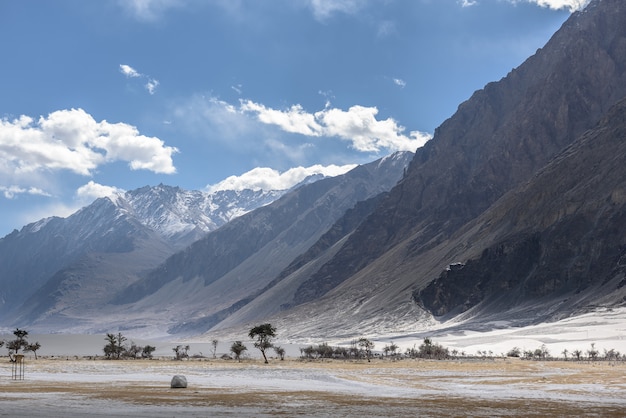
x: 513, y: 213
x: 80, y: 273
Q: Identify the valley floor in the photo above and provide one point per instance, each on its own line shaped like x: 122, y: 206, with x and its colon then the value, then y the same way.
x: 66, y: 387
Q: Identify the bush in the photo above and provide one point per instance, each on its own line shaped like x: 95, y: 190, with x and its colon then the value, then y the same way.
x: 429, y: 350
x: 514, y: 352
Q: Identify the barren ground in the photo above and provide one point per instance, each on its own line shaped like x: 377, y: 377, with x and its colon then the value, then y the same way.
x: 478, y: 388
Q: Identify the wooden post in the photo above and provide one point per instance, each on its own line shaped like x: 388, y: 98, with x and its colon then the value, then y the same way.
x: 17, y: 372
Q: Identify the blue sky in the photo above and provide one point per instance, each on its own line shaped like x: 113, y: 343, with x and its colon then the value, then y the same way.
x: 98, y: 96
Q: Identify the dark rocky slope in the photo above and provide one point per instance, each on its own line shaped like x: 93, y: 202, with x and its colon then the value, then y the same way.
x: 495, y: 142
x: 565, y: 239
x: 498, y: 139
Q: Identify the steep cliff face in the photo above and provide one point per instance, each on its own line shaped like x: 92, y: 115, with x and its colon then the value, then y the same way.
x: 498, y: 139
x: 563, y: 236
x: 444, y: 212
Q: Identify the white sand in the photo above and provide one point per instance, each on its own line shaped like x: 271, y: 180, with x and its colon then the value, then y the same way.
x: 60, y: 385
x: 75, y: 388
x: 606, y: 328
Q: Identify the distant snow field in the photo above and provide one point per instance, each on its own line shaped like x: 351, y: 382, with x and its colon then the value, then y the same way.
x: 605, y: 328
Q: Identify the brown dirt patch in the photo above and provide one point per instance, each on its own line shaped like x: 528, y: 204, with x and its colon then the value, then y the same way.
x: 452, y: 388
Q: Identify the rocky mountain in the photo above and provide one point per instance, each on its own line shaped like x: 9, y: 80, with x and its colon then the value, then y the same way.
x: 512, y: 214
x: 495, y: 143
x: 217, y: 275
x: 103, y: 246
x: 78, y: 294
x: 183, y: 216
x: 561, y: 241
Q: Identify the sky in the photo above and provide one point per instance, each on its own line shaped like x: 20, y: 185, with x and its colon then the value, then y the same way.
x: 113, y: 95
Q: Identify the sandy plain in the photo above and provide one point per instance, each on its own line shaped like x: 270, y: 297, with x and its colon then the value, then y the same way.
x: 76, y: 387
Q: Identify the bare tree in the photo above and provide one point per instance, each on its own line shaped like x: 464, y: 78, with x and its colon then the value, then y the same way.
x: 237, y: 349
x: 33, y: 347
x: 115, y: 347
x: 386, y: 350
x: 181, y: 352
x: 514, y: 352
x: 280, y: 352
x: 263, y: 334
x: 14, y: 346
x: 393, y: 348
x: 147, y: 351
x: 132, y: 351
x: 592, y: 353
x: 110, y: 348
x: 366, y: 346
x: 214, y: 347
x: 120, y: 345
x: 429, y: 349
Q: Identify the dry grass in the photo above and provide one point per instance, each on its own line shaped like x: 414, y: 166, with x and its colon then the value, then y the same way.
x: 450, y: 388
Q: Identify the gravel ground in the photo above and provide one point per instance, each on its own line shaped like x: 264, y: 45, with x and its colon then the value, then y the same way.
x: 477, y: 388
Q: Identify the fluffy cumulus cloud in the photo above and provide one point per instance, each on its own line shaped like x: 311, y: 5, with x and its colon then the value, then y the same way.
x: 73, y: 140
x: 571, y: 5
x: 357, y: 125
x: 263, y: 178
x: 294, y: 119
x: 93, y: 190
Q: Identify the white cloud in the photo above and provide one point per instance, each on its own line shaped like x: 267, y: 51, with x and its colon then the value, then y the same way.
x: 72, y: 140
x: 238, y: 88
x: 358, y: 125
x: 92, y: 191
x: 399, y: 82
x: 294, y: 120
x: 467, y: 3
x: 368, y: 134
x: 149, y: 10
x: 571, y: 5
x: 263, y: 178
x: 10, y: 191
x: 151, y: 85
x: 323, y: 9
x: 129, y: 71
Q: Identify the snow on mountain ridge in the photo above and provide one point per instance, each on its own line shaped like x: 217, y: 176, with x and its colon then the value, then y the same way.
x: 176, y: 214
x: 172, y: 211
